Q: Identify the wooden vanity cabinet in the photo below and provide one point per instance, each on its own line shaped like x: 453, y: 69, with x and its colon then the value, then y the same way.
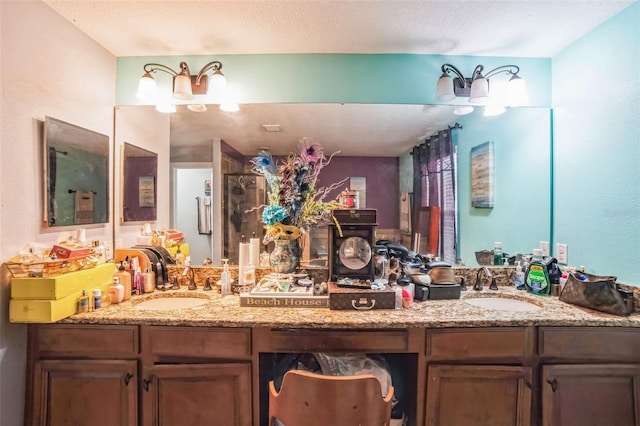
x: 196, y: 376
x: 82, y: 375
x: 590, y: 376
x: 481, y: 377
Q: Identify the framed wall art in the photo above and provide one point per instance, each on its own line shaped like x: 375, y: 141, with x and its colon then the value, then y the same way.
x: 482, y: 176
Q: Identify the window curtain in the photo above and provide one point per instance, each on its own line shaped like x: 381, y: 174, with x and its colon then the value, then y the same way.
x: 434, y: 185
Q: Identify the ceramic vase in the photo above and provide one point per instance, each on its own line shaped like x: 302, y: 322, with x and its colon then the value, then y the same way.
x: 285, y: 257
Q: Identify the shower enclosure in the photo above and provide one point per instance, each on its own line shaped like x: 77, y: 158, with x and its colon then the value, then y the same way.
x: 244, y: 194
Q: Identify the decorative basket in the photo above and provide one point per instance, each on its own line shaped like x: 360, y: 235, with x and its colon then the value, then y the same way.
x: 49, y: 268
x: 484, y: 257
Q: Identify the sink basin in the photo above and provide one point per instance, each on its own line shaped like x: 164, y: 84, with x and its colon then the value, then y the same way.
x: 171, y: 303
x: 503, y: 304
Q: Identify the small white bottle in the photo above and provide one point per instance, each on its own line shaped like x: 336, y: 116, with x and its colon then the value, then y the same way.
x: 519, y: 277
x: 225, y: 279
x: 116, y: 291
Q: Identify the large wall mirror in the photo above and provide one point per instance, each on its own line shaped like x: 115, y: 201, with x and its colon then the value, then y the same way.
x: 522, y: 155
x: 76, y: 171
x: 139, y: 188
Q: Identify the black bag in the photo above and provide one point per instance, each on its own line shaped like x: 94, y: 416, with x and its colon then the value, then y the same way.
x: 599, y: 293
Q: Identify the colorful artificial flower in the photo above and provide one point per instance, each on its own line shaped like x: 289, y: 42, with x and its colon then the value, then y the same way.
x: 293, y: 198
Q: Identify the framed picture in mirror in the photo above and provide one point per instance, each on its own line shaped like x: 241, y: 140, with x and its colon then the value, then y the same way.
x: 139, y: 183
x: 76, y: 174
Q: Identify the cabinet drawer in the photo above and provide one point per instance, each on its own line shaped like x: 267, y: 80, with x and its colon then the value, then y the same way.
x: 94, y: 341
x: 510, y: 344
x: 198, y: 342
x: 589, y: 344
x: 332, y: 340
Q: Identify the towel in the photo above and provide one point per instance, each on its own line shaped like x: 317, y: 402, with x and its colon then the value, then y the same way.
x: 204, y: 215
x: 83, y: 207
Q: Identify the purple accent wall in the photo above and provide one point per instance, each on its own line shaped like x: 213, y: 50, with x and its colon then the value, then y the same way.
x: 383, y: 184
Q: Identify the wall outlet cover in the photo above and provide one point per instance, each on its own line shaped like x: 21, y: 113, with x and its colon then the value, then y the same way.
x: 544, y: 246
x: 562, y: 253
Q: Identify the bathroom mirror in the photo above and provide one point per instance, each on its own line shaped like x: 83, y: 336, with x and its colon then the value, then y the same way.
x: 522, y: 151
x: 76, y: 174
x: 139, y: 189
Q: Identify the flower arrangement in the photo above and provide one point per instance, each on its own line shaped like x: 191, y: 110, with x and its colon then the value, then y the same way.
x: 295, y: 203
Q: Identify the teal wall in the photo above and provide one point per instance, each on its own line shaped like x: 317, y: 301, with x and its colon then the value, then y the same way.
x: 596, y: 100
x: 520, y: 218
x: 384, y: 78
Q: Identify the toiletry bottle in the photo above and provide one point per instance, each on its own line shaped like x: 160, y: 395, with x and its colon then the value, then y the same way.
x: 225, y: 279
x: 148, y: 281
x: 537, y: 280
x: 497, y: 254
x: 125, y: 279
x: 105, y: 299
x: 97, y: 299
x: 116, y: 291
x: 138, y: 281
x: 83, y: 302
x: 518, y: 280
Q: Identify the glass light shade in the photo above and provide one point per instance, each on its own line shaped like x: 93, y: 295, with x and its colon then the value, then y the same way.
x: 444, y: 90
x: 217, y: 83
x: 147, y: 88
x: 517, y: 91
x: 479, y: 94
x: 229, y: 106
x: 197, y: 107
x: 166, y: 108
x: 229, y: 101
x: 182, y: 87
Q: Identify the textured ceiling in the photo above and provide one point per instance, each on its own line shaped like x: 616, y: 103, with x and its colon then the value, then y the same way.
x: 517, y: 28
x: 488, y: 28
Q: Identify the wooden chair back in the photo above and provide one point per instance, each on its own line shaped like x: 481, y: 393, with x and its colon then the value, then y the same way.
x: 310, y: 399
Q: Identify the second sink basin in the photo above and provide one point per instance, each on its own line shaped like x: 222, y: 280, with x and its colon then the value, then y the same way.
x: 502, y: 304
x: 171, y: 303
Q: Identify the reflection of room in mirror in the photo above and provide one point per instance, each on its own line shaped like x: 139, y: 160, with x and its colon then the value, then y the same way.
x: 76, y: 163
x: 355, y: 253
x: 139, y: 189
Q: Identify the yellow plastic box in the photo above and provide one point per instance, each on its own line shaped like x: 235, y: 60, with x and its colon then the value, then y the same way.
x: 184, y: 249
x: 46, y: 311
x: 55, y: 288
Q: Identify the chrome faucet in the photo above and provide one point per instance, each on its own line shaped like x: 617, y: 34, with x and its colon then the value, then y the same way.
x: 478, y: 284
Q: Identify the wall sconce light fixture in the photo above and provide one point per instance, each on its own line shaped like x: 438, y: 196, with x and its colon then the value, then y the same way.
x: 476, y: 88
x: 185, y: 86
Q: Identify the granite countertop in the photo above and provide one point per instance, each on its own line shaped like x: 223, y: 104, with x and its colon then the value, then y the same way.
x: 225, y: 311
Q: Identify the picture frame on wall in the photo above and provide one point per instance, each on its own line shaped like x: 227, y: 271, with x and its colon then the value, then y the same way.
x: 482, y: 176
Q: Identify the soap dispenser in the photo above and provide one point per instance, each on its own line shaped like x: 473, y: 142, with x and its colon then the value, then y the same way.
x: 518, y: 280
x: 225, y: 279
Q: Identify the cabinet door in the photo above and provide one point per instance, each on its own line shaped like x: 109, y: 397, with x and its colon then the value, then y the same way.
x: 478, y: 395
x: 591, y: 395
x: 79, y: 392
x: 197, y: 395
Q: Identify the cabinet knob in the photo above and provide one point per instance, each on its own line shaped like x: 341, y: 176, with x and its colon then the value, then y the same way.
x: 554, y: 384
x: 145, y: 384
x: 127, y: 378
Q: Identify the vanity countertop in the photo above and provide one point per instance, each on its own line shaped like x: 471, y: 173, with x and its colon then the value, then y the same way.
x: 226, y: 312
